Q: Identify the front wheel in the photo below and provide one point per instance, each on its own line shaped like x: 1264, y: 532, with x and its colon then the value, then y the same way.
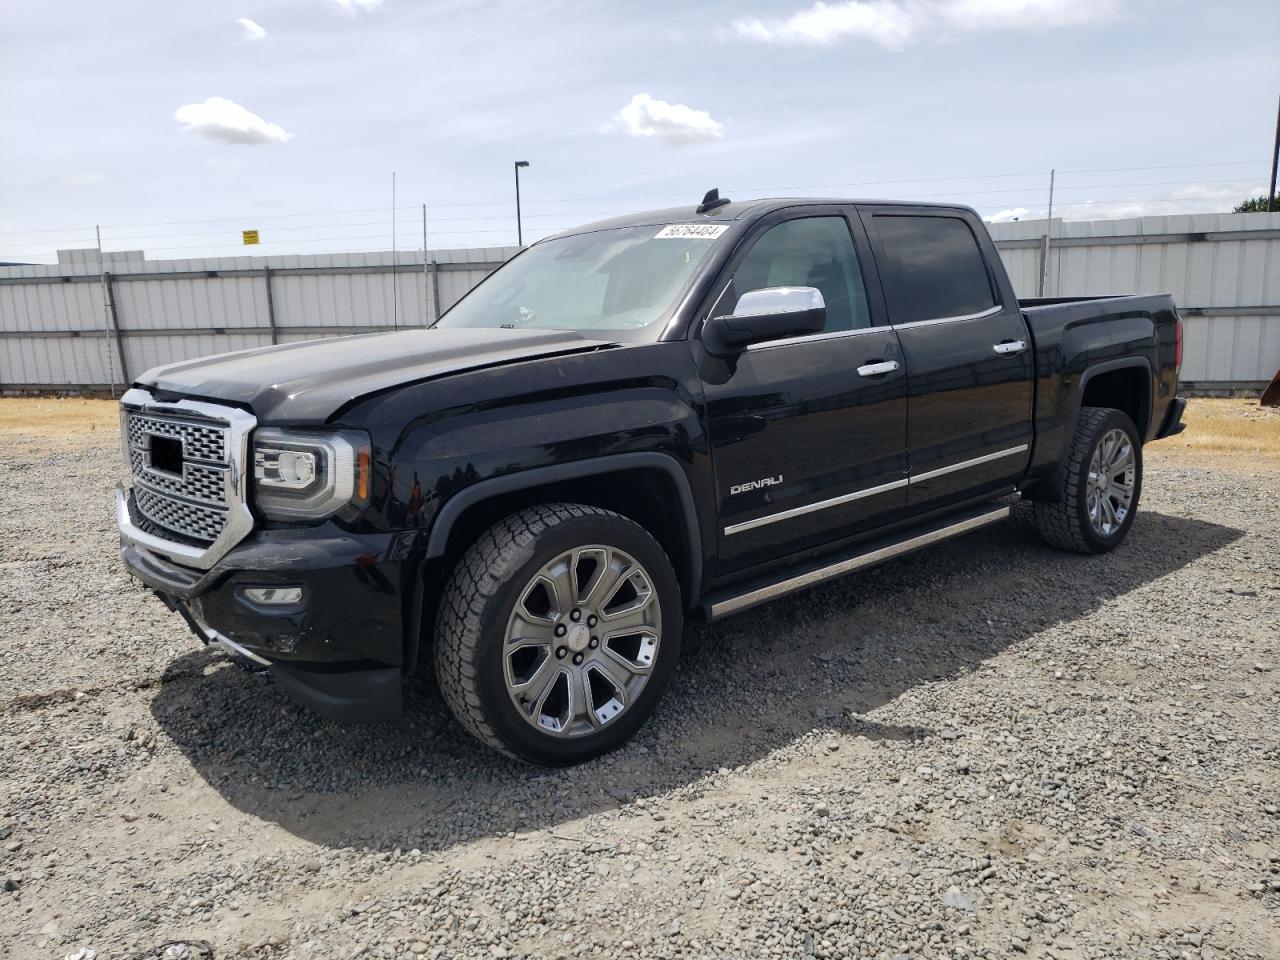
x: 558, y: 632
x: 1102, y: 485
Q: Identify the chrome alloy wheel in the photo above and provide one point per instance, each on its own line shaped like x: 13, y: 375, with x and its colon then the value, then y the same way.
x: 1112, y: 473
x: 582, y: 641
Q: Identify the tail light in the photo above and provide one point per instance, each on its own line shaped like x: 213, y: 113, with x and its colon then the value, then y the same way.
x: 1177, y: 345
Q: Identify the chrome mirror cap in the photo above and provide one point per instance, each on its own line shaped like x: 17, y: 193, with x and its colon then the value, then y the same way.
x: 776, y: 300
x: 770, y: 313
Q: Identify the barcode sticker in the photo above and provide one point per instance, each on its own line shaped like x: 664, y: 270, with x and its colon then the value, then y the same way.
x: 691, y: 231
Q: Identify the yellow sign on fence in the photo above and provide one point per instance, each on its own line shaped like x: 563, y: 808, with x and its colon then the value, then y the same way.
x: 250, y: 236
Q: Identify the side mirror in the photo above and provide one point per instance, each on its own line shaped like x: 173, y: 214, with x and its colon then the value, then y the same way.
x: 770, y: 313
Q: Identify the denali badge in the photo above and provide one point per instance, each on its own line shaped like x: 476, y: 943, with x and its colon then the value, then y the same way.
x: 755, y: 485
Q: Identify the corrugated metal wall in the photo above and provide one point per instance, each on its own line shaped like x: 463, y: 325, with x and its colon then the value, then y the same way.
x: 57, y: 328
x: 1222, y: 269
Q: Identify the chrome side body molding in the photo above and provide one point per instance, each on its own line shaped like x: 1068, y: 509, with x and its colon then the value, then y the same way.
x: 813, y: 507
x: 976, y: 461
x: 874, y: 554
x: 871, y: 491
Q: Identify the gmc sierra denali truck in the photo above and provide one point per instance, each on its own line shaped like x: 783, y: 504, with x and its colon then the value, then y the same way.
x: 689, y: 411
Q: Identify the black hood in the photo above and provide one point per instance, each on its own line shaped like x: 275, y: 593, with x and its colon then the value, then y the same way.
x: 308, y: 382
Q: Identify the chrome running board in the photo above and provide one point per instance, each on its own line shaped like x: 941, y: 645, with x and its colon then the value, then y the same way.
x: 869, y: 555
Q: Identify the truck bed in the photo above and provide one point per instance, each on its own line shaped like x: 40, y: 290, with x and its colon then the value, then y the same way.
x: 1131, y: 341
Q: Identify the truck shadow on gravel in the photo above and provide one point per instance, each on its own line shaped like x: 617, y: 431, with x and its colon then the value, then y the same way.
x: 747, y: 686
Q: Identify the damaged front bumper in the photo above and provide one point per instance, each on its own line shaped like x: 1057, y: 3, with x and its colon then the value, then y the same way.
x: 346, y: 632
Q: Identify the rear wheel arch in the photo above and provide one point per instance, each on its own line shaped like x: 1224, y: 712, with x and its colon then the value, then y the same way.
x: 1124, y: 384
x: 1105, y: 443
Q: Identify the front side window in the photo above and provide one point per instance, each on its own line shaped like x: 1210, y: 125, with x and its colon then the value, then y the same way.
x: 809, y: 252
x: 932, y: 268
x: 608, y: 281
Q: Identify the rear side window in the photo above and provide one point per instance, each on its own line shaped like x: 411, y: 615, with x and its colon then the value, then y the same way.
x: 933, y: 268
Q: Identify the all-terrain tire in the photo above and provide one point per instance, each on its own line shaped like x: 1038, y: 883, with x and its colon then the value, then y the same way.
x: 478, y: 602
x: 1064, y: 522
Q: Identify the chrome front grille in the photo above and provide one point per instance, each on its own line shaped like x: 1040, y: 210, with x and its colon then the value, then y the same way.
x: 171, y: 513
x: 192, y: 504
x: 200, y: 441
x: 187, y: 460
x: 204, y: 483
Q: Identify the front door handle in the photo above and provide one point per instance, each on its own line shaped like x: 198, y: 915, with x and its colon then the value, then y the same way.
x: 1009, y: 348
x: 877, y: 369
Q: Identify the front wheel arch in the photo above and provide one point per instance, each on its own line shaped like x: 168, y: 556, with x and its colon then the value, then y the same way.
x: 598, y: 481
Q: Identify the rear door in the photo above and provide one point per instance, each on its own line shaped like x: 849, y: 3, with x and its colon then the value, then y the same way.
x: 808, y: 434
x: 967, y: 349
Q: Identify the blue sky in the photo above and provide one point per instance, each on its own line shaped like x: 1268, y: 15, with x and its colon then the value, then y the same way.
x: 293, y: 122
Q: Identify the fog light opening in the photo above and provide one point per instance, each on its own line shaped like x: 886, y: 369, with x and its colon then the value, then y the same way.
x: 274, y: 596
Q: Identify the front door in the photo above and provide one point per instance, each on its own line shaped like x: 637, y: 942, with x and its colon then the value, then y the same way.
x: 808, y: 434
x: 968, y: 354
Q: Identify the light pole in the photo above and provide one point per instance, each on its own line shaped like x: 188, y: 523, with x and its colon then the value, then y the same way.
x: 519, y: 232
x: 1275, y: 164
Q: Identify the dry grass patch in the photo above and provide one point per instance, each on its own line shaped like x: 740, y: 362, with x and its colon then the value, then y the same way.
x: 1225, y: 432
x: 1219, y: 432
x: 49, y: 422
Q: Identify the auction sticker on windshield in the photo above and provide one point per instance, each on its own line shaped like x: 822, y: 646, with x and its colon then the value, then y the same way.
x: 687, y: 231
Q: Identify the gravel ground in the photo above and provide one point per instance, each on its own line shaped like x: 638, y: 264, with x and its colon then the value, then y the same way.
x: 987, y: 750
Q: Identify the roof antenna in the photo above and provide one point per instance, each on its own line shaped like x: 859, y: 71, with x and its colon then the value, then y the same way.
x: 712, y: 201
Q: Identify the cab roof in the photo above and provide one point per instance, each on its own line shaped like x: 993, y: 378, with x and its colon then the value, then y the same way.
x: 733, y: 211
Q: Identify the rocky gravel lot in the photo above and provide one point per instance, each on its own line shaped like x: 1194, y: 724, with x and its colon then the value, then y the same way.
x: 986, y: 750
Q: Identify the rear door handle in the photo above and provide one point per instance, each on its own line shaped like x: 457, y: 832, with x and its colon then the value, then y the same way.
x: 877, y: 369
x: 1010, y: 347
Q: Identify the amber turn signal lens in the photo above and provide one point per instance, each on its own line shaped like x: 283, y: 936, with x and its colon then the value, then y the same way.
x: 362, y: 475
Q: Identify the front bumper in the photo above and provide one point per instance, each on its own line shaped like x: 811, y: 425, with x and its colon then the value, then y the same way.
x: 342, y: 649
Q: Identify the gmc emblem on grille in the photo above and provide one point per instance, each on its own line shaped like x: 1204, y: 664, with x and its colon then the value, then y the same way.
x: 164, y: 454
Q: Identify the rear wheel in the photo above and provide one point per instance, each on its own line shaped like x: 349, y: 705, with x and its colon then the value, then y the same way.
x: 558, y: 633
x: 1102, y: 485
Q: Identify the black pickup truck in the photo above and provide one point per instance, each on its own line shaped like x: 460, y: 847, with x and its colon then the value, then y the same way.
x: 683, y: 412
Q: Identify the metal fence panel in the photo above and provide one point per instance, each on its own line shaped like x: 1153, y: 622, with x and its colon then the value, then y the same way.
x: 56, y: 330
x: 57, y: 325
x: 1222, y: 269
x: 143, y: 353
x: 32, y: 362
x: 190, y: 303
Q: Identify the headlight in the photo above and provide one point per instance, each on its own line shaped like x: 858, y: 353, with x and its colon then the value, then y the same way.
x: 309, y: 476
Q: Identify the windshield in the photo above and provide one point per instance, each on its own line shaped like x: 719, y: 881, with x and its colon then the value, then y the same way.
x: 609, y: 280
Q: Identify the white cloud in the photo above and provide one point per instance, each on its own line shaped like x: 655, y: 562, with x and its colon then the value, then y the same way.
x: 353, y: 7
x: 1005, y: 216
x: 1198, y: 192
x: 86, y: 179
x: 1193, y: 198
x: 253, y: 31
x: 897, y: 23
x: 228, y: 122
x: 651, y: 119
x: 888, y: 24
